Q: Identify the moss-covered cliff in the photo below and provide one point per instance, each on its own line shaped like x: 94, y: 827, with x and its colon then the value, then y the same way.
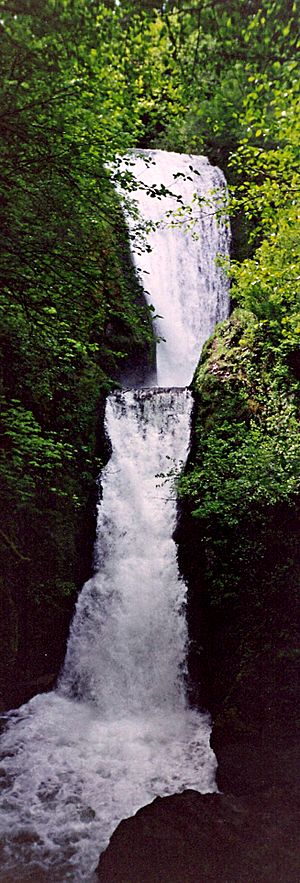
x: 238, y: 548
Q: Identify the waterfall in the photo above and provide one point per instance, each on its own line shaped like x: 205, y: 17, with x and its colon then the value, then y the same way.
x: 118, y: 731
x: 180, y: 275
x: 140, y: 615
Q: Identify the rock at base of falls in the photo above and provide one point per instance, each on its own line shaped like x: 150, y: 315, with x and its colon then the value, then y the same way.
x: 195, y: 838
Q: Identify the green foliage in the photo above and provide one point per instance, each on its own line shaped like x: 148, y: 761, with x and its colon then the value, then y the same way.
x: 71, y: 310
x: 206, y: 60
x: 268, y: 284
x: 69, y: 301
x: 266, y: 163
x: 247, y: 430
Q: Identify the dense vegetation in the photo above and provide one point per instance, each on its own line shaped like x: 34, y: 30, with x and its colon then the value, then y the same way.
x: 71, y: 313
x: 82, y: 81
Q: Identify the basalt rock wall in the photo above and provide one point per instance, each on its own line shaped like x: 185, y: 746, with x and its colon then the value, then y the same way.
x: 238, y: 536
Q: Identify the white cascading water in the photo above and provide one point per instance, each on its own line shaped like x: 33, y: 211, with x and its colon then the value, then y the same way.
x: 118, y: 731
x: 180, y: 275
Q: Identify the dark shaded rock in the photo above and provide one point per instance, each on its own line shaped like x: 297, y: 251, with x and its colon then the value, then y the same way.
x: 239, y: 555
x: 194, y: 838
x: 243, y: 658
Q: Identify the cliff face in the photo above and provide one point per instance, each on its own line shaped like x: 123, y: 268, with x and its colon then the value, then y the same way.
x: 238, y: 550
x: 244, y: 661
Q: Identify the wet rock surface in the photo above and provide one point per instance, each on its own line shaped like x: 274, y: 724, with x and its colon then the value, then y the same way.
x: 194, y: 838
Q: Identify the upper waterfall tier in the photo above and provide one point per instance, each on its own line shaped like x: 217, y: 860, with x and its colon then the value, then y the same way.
x: 180, y: 275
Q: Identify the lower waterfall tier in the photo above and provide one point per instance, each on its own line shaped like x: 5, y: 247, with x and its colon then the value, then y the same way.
x: 127, y: 647
x: 118, y: 730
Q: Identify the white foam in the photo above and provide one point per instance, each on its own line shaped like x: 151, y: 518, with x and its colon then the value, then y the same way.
x: 181, y: 274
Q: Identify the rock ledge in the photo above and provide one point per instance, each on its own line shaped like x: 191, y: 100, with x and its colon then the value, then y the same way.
x: 195, y: 838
